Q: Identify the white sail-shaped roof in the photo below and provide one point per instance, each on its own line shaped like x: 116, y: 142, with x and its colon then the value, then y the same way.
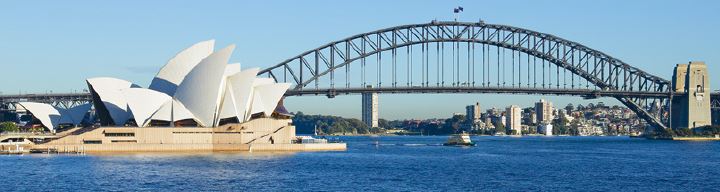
x: 196, y: 84
x: 232, y: 69
x: 266, y: 97
x: 74, y: 115
x: 47, y: 114
x: 109, y: 91
x: 256, y: 103
x: 241, y: 85
x: 144, y: 103
x: 199, y: 90
x: 263, y: 81
x: 172, y: 74
x: 172, y: 110
x: 227, y: 108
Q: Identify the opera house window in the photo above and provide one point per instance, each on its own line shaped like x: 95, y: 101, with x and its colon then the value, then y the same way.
x: 119, y: 134
x: 92, y: 142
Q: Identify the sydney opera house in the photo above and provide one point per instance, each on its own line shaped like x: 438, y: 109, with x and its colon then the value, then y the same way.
x: 197, y: 101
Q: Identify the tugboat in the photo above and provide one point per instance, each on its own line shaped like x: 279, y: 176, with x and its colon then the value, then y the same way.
x: 462, y: 139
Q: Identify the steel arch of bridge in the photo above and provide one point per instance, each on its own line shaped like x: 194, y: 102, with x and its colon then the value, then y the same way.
x: 646, y: 94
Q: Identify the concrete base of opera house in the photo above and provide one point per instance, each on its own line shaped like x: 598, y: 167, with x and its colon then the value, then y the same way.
x: 87, y: 148
x: 263, y: 134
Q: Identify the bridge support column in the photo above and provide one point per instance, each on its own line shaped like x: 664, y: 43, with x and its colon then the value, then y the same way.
x: 715, y: 116
x: 691, y: 102
x: 370, y: 108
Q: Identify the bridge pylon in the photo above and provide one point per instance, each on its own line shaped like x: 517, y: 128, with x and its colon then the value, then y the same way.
x: 690, y: 105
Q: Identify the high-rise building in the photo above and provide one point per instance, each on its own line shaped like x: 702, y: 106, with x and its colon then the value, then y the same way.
x: 472, y: 112
x: 533, y: 118
x: 370, y: 109
x: 513, y: 118
x: 544, y: 111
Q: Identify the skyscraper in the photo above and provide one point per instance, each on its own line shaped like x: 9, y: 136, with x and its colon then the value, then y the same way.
x: 370, y: 109
x: 513, y: 118
x: 472, y: 112
x: 544, y: 111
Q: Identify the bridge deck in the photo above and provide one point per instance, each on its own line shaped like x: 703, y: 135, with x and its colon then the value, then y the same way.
x: 415, y: 89
x: 587, y: 93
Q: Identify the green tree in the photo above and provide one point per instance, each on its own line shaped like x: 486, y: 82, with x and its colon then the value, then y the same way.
x: 344, y: 126
x: 328, y: 124
x: 684, y: 132
x: 361, y: 127
x: 669, y: 132
x: 559, y: 127
x: 574, y: 127
x: 709, y: 130
x: 532, y: 130
x: 499, y: 127
x: 453, y: 125
x: 384, y: 124
x: 8, y: 127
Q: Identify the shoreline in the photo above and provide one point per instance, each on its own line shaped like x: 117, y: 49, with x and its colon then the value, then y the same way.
x: 529, y: 135
x: 685, y: 138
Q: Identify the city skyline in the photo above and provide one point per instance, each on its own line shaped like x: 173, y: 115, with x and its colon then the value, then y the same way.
x: 97, y: 37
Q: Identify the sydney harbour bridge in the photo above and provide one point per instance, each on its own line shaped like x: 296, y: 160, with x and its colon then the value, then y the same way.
x: 457, y: 57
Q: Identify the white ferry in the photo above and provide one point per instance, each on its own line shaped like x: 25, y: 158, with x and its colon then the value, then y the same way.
x: 462, y: 139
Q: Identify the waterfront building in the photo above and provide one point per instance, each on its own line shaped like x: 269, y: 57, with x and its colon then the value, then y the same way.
x: 197, y: 101
x: 544, y: 111
x: 587, y: 130
x: 370, y: 109
x: 545, y: 129
x: 473, y: 117
x: 513, y: 118
x: 196, y: 85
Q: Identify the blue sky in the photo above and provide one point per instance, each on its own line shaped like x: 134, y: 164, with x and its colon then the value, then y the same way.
x: 55, y: 45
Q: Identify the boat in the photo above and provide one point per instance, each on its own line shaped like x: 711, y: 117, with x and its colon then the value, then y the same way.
x: 462, y: 139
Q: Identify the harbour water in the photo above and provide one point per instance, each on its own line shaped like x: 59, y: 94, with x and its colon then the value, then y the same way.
x: 393, y: 163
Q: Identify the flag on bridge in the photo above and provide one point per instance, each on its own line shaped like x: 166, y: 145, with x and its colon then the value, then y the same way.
x: 458, y: 9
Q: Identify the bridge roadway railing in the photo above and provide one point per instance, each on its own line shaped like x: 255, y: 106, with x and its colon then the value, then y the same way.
x: 586, y: 93
x: 55, y: 98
